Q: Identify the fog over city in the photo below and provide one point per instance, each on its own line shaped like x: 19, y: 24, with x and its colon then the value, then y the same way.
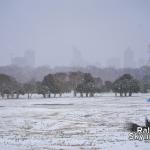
x: 74, y: 74
x: 103, y: 33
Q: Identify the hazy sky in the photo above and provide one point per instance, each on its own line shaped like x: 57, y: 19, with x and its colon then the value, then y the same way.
x: 100, y: 29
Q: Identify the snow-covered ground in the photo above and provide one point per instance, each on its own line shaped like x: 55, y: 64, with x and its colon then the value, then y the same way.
x: 72, y: 123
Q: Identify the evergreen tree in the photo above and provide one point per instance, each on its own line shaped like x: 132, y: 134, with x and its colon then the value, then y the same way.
x: 126, y: 84
x: 52, y: 83
x: 41, y: 89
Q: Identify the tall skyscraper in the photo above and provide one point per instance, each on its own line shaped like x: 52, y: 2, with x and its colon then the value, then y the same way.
x: 129, y: 60
x: 28, y: 60
x: 29, y: 57
x: 77, y: 59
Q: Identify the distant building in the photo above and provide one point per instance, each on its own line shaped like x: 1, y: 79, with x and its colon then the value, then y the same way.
x: 29, y: 57
x: 129, y: 60
x: 77, y: 59
x: 28, y: 60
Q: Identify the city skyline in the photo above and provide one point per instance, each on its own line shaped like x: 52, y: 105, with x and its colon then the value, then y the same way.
x: 129, y: 60
x: 101, y: 30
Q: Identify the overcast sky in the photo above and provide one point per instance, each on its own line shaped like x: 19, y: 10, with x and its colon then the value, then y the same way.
x: 99, y: 29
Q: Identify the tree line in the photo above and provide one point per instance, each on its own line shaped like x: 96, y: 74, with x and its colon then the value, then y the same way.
x: 78, y: 82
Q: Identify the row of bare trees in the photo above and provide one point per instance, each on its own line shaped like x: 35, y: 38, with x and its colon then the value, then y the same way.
x: 59, y: 83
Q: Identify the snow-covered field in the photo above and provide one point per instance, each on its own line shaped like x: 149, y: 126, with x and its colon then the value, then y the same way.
x: 71, y: 123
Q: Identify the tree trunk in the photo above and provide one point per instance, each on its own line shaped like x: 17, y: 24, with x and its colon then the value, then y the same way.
x: 130, y: 94
x: 60, y: 94
x: 49, y: 95
x: 86, y: 94
x: 115, y: 94
x: 17, y: 96
x: 28, y: 95
x: 44, y: 95
x: 91, y: 94
x: 31, y: 95
x: 81, y: 94
x: 120, y: 94
x: 125, y: 94
x: 2, y: 94
x: 75, y: 93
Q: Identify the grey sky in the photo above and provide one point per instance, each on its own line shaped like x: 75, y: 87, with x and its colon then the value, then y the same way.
x: 100, y: 29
